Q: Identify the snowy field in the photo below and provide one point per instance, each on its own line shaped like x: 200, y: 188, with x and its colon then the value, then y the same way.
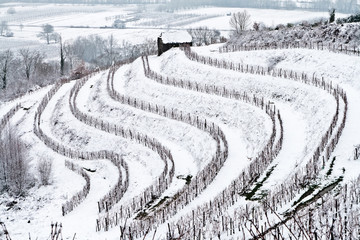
x: 200, y: 144
x: 306, y: 112
x: 142, y: 22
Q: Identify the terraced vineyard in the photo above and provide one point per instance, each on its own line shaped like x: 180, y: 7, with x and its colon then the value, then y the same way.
x: 198, y: 143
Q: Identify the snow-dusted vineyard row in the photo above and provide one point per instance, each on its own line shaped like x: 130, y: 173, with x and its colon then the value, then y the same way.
x: 5, y: 119
x: 75, y: 200
x: 259, y: 164
x: 333, y: 47
x: 177, y: 130
x: 302, y: 77
x: 165, y: 178
x: 142, y: 225
x: 117, y: 191
x: 326, y: 138
x: 196, y: 186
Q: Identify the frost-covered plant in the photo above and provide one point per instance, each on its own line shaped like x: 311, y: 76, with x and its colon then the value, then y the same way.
x: 44, y: 168
x: 14, y: 170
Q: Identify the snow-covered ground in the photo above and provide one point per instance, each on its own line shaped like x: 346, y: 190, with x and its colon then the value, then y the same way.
x: 142, y: 22
x: 270, y: 17
x: 306, y: 112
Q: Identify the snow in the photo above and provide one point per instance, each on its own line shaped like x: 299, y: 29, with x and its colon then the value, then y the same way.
x: 339, y: 68
x: 67, y: 18
x: 270, y: 17
x: 306, y: 112
x: 176, y: 37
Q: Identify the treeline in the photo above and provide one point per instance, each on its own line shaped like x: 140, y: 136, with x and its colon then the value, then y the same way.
x: 346, y: 6
x: 27, y: 69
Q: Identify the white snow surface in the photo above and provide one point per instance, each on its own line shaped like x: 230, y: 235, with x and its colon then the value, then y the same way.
x: 306, y: 113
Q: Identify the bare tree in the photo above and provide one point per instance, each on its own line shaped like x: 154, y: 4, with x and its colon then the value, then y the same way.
x: 46, y: 32
x: 55, y: 37
x: 240, y: 21
x: 204, y: 35
x: 3, y: 27
x: 332, y: 15
x: 11, y: 10
x: 62, y: 58
x: 70, y: 54
x: 30, y: 59
x: 5, y: 61
x: 109, y: 47
x: 14, y: 167
x: 150, y: 46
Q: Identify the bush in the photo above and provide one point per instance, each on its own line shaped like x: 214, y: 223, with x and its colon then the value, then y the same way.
x: 11, y: 10
x: 44, y: 168
x: 350, y: 19
x: 280, y: 26
x: 118, y: 24
x: 256, y: 26
x: 9, y: 34
x: 14, y: 168
x: 289, y: 25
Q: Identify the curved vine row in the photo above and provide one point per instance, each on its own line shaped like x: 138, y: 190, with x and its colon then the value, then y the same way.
x: 115, y: 158
x: 165, y: 178
x: 194, y: 188
x: 328, y: 143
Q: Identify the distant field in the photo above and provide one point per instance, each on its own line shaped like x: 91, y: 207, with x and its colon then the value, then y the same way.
x: 142, y: 22
x: 270, y: 17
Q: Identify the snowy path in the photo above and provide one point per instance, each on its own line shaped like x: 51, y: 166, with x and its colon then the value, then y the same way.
x: 83, y: 218
x: 294, y: 146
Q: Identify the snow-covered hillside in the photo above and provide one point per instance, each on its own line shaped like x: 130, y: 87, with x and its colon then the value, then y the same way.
x: 196, y: 144
x: 142, y: 22
x: 324, y: 34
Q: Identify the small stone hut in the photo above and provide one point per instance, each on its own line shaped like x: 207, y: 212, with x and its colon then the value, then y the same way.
x: 171, y: 39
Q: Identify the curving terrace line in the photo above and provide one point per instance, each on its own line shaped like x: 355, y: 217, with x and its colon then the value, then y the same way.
x: 337, y: 48
x: 6, y: 118
x: 225, y: 93
x: 160, y: 184
x: 199, y: 212
x: 199, y: 182
x: 258, y: 165
x: 328, y: 143
x: 76, y: 199
x: 335, y: 91
x: 119, y: 189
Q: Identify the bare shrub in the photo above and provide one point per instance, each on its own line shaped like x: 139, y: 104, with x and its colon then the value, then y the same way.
x: 240, y: 21
x: 204, y: 35
x: 44, y: 168
x: 14, y: 167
